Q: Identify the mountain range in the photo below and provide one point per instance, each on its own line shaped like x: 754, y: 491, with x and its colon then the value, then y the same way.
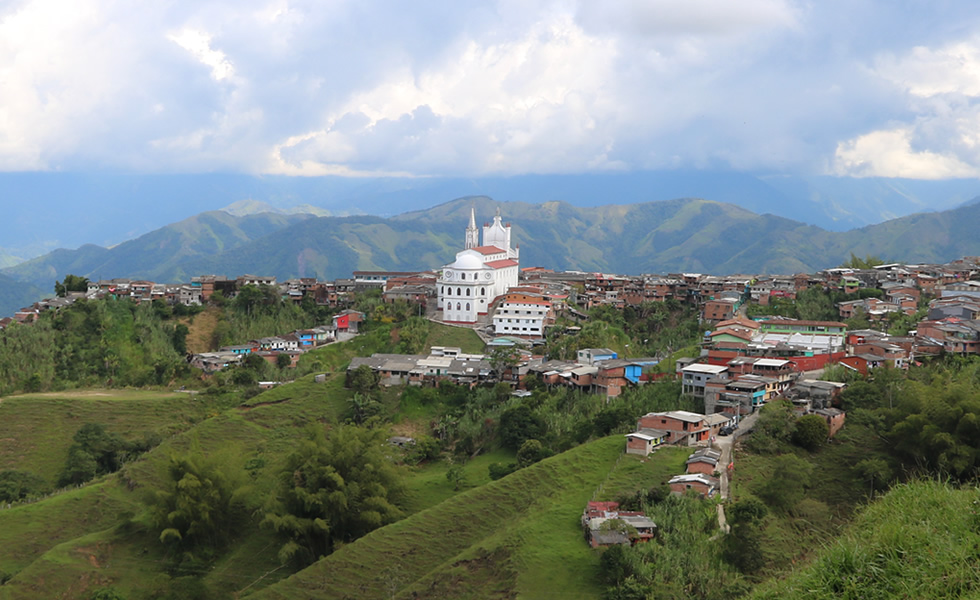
x: 654, y: 237
x: 48, y: 210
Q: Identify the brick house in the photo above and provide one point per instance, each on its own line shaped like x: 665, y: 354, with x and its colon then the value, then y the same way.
x: 704, y: 461
x: 834, y: 417
x: 704, y: 485
x: 644, y: 441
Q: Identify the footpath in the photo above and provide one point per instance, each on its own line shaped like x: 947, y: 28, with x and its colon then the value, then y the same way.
x: 727, y: 446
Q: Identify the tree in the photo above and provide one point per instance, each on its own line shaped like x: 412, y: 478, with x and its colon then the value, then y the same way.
x: 363, y: 380
x: 519, y: 424
x: 868, y: 262
x: 456, y: 476
x: 875, y: 471
x: 95, y: 452
x: 810, y: 432
x: 284, y: 360
x: 531, y: 452
x: 500, y: 470
x: 742, y: 547
x: 179, y: 338
x: 72, y: 283
x: 17, y: 485
x: 200, y: 504
x: 333, y: 490
x: 362, y: 407
x: 502, y: 359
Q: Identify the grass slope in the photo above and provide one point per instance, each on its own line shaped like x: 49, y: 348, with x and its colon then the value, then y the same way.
x: 516, y: 536
x: 36, y: 430
x: 49, y: 546
x: 460, y: 337
x: 920, y: 540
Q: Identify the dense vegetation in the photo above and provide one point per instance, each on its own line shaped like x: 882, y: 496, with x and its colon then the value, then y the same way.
x: 118, y: 343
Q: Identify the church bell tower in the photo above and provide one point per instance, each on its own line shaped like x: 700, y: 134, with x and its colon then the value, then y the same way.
x: 472, y: 233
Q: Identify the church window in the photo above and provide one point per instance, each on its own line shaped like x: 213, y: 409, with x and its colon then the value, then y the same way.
x: 459, y: 306
x: 467, y: 306
x: 483, y: 291
x: 459, y: 291
x: 443, y: 290
x: 462, y: 275
x: 467, y: 291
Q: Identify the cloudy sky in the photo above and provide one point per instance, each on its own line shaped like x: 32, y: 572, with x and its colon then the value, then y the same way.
x: 849, y: 87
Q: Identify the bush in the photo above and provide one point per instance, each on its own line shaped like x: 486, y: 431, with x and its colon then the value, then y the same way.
x: 531, y: 452
x: 810, y: 432
x: 500, y: 470
x: 17, y: 485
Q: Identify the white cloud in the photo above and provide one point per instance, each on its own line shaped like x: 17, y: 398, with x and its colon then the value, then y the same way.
x: 494, y: 86
x: 940, y: 136
x: 198, y: 43
x: 889, y: 153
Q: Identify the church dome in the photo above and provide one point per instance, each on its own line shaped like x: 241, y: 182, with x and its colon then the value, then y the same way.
x: 467, y: 261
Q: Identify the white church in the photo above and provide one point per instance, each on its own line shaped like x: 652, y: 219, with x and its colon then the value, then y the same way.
x: 480, y: 273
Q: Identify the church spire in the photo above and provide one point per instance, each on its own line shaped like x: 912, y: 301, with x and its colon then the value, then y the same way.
x: 472, y: 234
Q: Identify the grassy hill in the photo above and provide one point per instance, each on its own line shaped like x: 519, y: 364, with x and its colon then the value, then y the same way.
x: 36, y: 429
x: 918, y: 541
x: 518, y: 536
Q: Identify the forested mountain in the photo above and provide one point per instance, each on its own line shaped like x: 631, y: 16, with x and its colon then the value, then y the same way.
x: 655, y: 237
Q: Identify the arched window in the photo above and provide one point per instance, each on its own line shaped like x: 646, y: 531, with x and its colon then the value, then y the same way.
x: 467, y: 291
x: 483, y: 291
x: 449, y: 292
x: 459, y: 291
x: 467, y: 306
x: 462, y: 275
x: 459, y: 306
x: 442, y: 290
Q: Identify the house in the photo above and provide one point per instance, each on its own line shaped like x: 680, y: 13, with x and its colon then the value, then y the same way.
x: 863, y: 363
x: 644, y: 441
x: 694, y: 376
x: 834, y: 417
x: 809, y: 394
x: 598, y: 514
x: 704, y: 461
x: 346, y: 321
x: 589, y: 356
x: 704, y: 485
x: 721, y: 309
x: 683, y: 426
x: 616, y: 374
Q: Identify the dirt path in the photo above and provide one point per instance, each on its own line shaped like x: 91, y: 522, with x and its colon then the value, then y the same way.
x: 201, y: 327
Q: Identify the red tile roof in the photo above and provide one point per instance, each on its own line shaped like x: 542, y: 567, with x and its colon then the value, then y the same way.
x: 488, y: 249
x: 500, y: 264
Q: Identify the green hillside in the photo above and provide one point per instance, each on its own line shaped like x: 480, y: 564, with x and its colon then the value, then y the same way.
x: 920, y: 540
x: 518, y: 536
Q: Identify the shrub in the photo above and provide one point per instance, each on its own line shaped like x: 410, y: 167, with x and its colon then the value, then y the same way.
x: 810, y: 432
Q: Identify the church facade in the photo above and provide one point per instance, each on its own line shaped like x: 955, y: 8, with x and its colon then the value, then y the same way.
x: 480, y: 273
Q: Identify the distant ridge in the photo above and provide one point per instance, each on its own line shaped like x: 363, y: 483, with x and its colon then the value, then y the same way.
x: 654, y: 237
x: 243, y: 208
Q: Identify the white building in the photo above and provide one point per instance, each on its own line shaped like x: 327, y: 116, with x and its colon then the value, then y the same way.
x: 524, y: 317
x: 479, y: 274
x: 694, y: 377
